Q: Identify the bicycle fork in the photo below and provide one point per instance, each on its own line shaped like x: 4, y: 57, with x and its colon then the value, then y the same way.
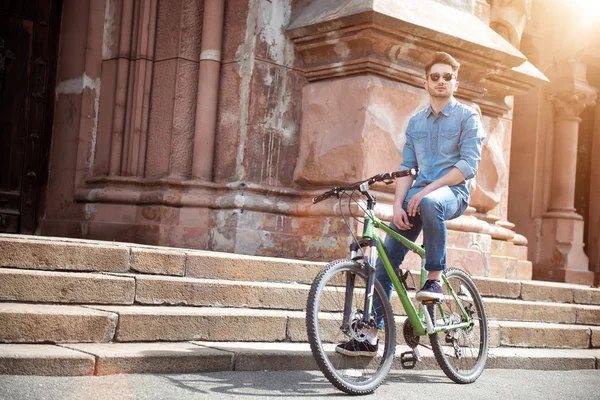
x: 365, y: 320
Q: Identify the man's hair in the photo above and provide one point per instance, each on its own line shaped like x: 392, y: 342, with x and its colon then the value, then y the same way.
x: 440, y: 57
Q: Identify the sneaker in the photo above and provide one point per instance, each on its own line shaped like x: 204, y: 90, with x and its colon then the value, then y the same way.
x: 354, y: 348
x: 431, y: 291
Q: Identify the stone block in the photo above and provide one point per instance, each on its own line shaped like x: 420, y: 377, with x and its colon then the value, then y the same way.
x: 539, y: 335
x: 585, y: 295
x: 137, y: 323
x: 214, y: 265
x: 541, y: 359
x: 35, y: 323
x: 154, y: 261
x: 494, y: 329
x: 502, y: 309
x: 496, y: 287
x: 588, y: 315
x: 595, y: 331
x: 65, y: 287
x: 63, y: 254
x: 469, y: 240
x: 503, y: 248
x: 267, y: 356
x: 45, y: 360
x: 220, y: 293
x: 503, y: 267
x: 155, y: 358
x: 473, y: 262
x: 547, y: 291
x: 524, y: 270
x: 520, y: 252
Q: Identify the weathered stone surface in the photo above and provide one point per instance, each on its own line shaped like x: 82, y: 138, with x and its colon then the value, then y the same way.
x: 73, y: 255
x: 503, y: 267
x: 495, y: 287
x: 267, y: 356
x: 589, y: 315
x: 158, y: 261
x: 595, y: 337
x: 208, y: 292
x: 248, y: 268
x: 539, y: 335
x: 530, y: 311
x: 163, y: 358
x: 547, y: 291
x: 42, y: 359
x: 585, y: 295
x: 137, y: 323
x: 494, y: 334
x: 524, y: 270
x: 64, y: 287
x: 34, y: 323
x: 542, y: 359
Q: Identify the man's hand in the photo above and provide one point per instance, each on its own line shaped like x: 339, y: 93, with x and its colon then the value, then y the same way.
x: 401, y: 219
x: 415, y: 201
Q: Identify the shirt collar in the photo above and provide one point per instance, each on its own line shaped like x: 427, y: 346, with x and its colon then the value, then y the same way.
x: 446, y: 110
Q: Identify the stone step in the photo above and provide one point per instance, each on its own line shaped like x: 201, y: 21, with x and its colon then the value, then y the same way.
x: 197, y: 356
x: 35, y: 323
x: 42, y: 253
x: 94, y: 288
x: 82, y: 288
x: 19, y: 285
x: 52, y: 323
x: 538, y: 311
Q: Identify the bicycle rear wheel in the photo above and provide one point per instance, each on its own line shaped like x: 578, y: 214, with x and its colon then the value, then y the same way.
x: 340, y: 280
x: 461, y: 353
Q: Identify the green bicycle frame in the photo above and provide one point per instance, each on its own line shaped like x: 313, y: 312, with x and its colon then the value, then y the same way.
x: 416, y: 318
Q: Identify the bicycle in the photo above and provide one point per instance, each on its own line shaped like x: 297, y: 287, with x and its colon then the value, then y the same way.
x: 340, y: 308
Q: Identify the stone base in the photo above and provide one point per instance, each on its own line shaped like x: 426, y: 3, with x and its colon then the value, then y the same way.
x: 314, y: 238
x: 583, y: 277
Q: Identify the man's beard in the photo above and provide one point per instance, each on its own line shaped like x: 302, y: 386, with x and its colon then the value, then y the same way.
x: 445, y: 94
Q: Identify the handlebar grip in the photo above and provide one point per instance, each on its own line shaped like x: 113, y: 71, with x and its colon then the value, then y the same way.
x: 325, y: 195
x: 320, y: 197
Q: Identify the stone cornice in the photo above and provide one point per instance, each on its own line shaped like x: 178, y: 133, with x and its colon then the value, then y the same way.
x: 382, y: 38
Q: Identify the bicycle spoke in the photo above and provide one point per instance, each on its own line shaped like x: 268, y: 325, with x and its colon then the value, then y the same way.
x: 326, y: 330
x: 461, y: 353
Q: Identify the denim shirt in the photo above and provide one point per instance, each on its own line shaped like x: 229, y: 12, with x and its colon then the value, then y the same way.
x: 436, y: 143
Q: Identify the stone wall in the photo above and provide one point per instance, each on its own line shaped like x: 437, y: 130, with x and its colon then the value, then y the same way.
x: 192, y: 124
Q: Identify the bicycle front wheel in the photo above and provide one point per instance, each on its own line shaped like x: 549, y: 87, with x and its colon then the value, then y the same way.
x: 339, y: 283
x: 461, y: 353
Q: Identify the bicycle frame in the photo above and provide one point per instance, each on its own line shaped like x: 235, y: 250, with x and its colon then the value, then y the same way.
x: 421, y: 321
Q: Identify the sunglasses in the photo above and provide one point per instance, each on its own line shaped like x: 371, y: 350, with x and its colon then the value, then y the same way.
x: 446, y: 75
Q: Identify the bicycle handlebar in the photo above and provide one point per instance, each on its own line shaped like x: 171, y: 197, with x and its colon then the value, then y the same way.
x: 386, y: 178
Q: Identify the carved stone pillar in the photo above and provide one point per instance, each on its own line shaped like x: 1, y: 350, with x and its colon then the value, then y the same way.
x: 563, y: 258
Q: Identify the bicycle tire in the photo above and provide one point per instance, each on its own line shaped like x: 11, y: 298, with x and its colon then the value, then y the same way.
x: 461, y: 353
x: 324, y: 316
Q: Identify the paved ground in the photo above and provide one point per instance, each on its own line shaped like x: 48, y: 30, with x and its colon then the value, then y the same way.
x: 493, y: 384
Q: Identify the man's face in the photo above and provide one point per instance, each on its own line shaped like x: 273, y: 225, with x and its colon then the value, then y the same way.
x: 441, y: 87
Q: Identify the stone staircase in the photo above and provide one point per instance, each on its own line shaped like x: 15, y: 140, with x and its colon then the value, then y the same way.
x: 78, y: 307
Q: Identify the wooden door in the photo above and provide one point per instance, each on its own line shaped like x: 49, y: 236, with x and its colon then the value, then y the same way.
x: 27, y: 51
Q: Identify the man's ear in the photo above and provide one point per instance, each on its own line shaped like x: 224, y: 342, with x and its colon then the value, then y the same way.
x: 425, y: 85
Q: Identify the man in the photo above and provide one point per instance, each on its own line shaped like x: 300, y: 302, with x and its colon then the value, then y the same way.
x: 444, y: 141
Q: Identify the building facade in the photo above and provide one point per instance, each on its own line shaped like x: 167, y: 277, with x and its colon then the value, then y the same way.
x: 211, y: 124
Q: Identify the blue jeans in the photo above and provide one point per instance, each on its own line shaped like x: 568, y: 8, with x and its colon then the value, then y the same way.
x: 437, y: 207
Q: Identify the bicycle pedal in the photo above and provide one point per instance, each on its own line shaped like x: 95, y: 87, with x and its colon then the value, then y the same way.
x: 409, y: 359
x: 431, y: 302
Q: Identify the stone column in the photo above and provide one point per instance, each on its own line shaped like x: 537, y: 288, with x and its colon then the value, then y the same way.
x: 563, y: 258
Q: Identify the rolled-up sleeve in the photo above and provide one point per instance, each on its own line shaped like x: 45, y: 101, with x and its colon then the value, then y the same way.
x: 471, y: 141
x: 409, y: 157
